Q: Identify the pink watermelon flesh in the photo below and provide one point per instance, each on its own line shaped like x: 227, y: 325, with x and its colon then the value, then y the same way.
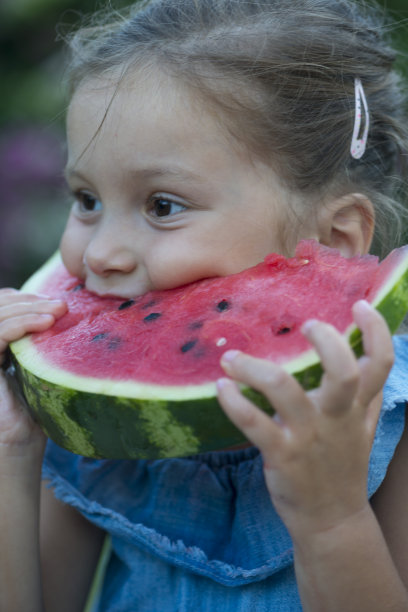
x: 177, y: 337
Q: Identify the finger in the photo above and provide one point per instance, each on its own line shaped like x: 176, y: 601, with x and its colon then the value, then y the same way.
x: 376, y: 363
x: 341, y: 372
x: 9, y: 295
x: 8, y: 290
x: 278, y: 386
x: 255, y: 424
x: 14, y: 329
x: 23, y: 307
x: 373, y: 414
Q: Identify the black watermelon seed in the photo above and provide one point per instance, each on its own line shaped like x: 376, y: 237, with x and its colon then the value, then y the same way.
x: 148, y: 304
x: 223, y: 305
x: 126, y: 304
x: 99, y: 337
x: 114, y: 343
x: 152, y: 316
x: 283, y: 330
x: 78, y: 287
x: 196, y: 325
x: 188, y: 346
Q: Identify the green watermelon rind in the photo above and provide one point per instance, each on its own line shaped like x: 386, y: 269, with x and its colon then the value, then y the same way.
x: 119, y: 420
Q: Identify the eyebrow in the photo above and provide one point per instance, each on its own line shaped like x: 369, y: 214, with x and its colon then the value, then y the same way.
x: 148, y: 173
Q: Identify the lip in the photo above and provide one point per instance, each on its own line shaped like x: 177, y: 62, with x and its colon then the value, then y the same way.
x: 124, y: 294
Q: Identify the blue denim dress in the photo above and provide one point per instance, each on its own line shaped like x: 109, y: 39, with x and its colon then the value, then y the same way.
x: 200, y: 533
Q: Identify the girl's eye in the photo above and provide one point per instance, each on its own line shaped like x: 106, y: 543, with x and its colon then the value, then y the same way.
x: 164, y: 207
x: 87, y: 203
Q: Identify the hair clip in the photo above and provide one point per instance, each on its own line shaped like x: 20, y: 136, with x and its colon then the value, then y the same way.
x: 358, y: 145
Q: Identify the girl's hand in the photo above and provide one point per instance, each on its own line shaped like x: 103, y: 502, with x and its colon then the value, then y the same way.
x: 316, y: 448
x: 20, y: 314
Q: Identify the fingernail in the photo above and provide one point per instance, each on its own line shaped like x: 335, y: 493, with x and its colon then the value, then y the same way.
x: 229, y: 356
x: 222, y: 383
x: 363, y: 304
x: 308, y: 325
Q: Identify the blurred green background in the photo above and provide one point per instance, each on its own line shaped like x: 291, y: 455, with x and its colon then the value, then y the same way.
x: 33, y: 203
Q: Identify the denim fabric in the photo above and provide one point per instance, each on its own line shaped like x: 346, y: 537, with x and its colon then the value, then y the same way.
x: 200, y: 533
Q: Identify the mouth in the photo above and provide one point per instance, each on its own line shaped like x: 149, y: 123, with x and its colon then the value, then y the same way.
x: 117, y: 292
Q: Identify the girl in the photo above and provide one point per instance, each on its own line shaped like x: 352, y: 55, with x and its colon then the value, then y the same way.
x: 202, y: 135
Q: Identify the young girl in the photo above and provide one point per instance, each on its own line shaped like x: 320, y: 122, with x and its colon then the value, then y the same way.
x: 202, y: 135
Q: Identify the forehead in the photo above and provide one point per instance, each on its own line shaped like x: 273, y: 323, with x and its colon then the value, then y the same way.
x: 153, y: 104
x: 100, y: 93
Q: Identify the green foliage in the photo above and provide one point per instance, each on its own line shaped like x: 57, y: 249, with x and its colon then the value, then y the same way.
x: 31, y: 57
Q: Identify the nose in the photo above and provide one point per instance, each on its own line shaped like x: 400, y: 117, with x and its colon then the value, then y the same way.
x: 110, y: 251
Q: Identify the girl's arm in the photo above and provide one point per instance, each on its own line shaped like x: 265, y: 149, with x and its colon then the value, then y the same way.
x: 70, y: 548
x: 21, y: 452
x: 390, y: 504
x: 20, y: 467
x: 316, y: 453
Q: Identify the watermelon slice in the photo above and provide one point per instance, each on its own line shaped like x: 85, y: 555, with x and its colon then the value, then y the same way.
x: 136, y: 378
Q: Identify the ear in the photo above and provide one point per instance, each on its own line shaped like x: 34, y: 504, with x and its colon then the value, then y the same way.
x: 347, y: 224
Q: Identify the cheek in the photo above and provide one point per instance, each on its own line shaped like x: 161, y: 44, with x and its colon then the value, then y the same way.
x: 185, y: 263
x: 189, y: 262
x: 72, y: 246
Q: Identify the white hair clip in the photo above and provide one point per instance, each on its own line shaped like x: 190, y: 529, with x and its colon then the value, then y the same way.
x: 359, y: 141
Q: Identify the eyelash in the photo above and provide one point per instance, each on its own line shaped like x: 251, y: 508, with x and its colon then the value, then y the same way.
x: 82, y: 198
x: 85, y: 203
x: 155, y: 200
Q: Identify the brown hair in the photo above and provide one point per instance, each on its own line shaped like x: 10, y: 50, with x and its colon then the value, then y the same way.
x: 283, y: 72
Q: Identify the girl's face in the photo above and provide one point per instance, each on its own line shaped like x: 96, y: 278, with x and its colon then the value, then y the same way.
x: 163, y: 196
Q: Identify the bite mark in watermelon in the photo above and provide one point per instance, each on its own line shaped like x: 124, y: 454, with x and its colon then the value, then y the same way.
x: 135, y: 378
